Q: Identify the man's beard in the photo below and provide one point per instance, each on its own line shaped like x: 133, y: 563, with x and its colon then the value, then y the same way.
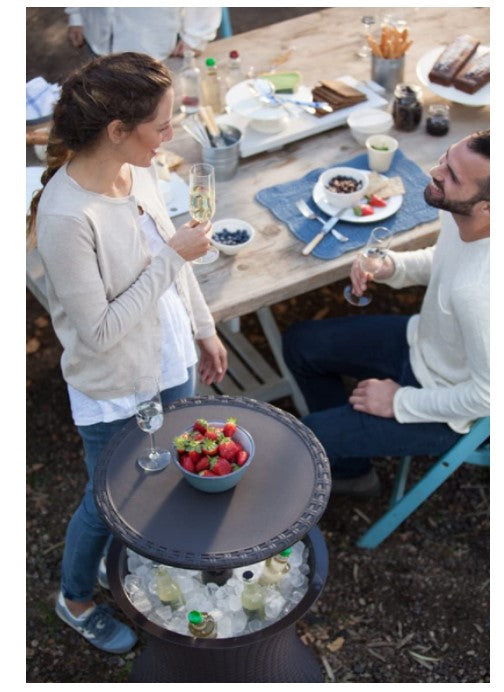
x: 455, y: 207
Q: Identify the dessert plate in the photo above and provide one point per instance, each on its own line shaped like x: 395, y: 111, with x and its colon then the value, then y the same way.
x: 424, y: 65
x: 380, y: 213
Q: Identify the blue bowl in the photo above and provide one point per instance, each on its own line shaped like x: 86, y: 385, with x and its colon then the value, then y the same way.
x: 218, y: 484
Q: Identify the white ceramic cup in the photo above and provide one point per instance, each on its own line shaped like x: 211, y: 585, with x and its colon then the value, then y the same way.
x: 381, y: 150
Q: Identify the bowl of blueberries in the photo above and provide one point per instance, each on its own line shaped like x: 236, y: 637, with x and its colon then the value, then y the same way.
x: 231, y: 235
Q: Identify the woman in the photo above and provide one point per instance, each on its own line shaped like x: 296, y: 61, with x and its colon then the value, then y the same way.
x: 122, y: 295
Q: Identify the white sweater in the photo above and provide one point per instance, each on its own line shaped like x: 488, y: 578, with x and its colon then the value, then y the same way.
x: 450, y: 339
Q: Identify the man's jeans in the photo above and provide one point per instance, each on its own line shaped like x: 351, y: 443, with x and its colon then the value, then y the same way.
x: 361, y: 347
x: 87, y: 534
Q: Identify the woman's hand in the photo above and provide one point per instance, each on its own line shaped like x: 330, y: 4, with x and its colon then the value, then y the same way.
x: 75, y: 35
x: 213, y: 363
x: 360, y: 278
x: 375, y: 397
x: 191, y: 240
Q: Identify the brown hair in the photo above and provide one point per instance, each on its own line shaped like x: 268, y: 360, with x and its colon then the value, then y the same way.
x: 121, y: 86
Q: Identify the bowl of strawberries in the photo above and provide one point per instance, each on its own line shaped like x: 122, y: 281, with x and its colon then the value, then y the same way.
x: 213, y: 456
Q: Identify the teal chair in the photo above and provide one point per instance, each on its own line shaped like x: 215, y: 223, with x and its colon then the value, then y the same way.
x: 472, y: 448
x: 225, y: 29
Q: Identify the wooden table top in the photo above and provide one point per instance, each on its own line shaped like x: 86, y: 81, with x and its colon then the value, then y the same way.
x: 320, y: 45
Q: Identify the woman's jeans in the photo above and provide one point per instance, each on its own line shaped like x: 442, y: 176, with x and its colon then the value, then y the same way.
x: 318, y: 353
x: 87, y: 534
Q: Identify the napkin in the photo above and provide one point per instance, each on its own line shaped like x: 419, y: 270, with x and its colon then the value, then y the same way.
x: 40, y: 98
x: 281, y: 201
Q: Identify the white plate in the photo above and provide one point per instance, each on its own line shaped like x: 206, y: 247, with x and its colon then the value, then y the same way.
x: 393, y: 204
x: 424, y: 65
x: 241, y: 100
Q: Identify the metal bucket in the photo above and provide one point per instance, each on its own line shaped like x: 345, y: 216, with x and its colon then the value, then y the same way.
x: 387, y: 71
x: 224, y: 159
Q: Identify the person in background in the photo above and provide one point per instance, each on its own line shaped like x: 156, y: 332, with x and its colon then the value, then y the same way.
x: 162, y: 32
x: 422, y: 380
x: 123, y: 299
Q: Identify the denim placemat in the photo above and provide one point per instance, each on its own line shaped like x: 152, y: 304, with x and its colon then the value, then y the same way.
x: 281, y: 201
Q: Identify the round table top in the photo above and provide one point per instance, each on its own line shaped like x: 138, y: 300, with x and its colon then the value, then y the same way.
x: 159, y: 515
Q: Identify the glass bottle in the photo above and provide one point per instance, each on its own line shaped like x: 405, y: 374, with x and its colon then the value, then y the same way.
x: 252, y: 597
x: 234, y: 70
x: 407, y: 107
x: 211, y: 86
x: 202, y: 625
x: 190, y: 78
x: 275, y: 568
x: 167, y: 588
x: 438, y: 119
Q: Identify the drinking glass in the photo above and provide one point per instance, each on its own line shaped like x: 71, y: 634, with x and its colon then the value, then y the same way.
x: 202, y: 202
x: 371, y: 260
x: 365, y: 50
x: 149, y: 417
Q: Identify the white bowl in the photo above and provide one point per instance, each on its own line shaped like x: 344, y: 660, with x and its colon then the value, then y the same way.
x: 231, y: 225
x: 340, y: 200
x: 369, y: 121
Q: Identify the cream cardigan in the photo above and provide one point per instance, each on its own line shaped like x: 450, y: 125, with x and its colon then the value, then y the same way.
x: 103, y: 285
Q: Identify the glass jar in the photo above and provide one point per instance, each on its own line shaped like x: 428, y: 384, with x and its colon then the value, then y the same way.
x: 438, y: 119
x: 407, y: 107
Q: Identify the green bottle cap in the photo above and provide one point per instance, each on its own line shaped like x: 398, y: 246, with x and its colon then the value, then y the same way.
x: 195, y: 617
x: 210, y: 62
x: 286, y: 552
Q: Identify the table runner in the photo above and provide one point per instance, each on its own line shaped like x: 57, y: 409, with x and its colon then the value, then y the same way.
x: 280, y: 200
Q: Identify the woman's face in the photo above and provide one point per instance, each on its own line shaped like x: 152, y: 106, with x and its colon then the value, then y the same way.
x: 141, y: 145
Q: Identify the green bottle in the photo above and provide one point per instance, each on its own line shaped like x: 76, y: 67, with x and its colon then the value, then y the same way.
x: 202, y: 625
x: 167, y: 588
x: 252, y: 597
x: 275, y: 568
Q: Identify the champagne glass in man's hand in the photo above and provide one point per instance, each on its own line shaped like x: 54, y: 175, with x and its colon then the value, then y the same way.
x: 149, y: 417
x: 370, y: 261
x: 202, y: 202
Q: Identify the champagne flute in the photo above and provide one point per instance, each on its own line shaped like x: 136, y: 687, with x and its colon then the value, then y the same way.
x: 202, y: 202
x: 371, y: 260
x: 365, y: 50
x: 149, y: 418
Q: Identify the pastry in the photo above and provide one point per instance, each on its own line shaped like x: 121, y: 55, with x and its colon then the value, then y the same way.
x: 474, y: 75
x: 453, y: 59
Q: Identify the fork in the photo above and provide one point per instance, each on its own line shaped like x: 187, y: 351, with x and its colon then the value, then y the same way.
x: 309, y: 214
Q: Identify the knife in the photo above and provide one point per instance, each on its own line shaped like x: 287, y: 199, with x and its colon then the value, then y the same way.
x: 326, y: 228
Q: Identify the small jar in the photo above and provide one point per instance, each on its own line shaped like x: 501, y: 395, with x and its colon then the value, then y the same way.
x: 407, y: 107
x: 438, y: 119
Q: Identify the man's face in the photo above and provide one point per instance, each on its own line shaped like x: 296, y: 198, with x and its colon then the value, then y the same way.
x: 456, y: 179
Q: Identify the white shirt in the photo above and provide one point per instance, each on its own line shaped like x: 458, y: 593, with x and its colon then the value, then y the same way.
x: 151, y: 30
x: 450, y: 339
x: 177, y: 355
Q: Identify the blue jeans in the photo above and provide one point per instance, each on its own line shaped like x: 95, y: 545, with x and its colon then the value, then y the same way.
x: 318, y: 353
x: 87, y: 534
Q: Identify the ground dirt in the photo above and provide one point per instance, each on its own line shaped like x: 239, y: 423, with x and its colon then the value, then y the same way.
x: 416, y: 609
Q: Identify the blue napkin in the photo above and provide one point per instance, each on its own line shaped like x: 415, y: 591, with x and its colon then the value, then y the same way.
x: 281, y: 201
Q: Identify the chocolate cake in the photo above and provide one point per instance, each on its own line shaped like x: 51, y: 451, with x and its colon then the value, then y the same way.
x: 454, y: 57
x: 474, y: 75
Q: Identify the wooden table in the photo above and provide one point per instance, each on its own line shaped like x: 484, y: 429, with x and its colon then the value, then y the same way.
x: 320, y: 45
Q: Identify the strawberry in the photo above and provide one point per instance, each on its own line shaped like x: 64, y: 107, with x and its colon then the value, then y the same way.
x: 188, y: 464
x: 228, y: 448
x: 207, y: 472
x: 222, y: 467
x: 376, y: 201
x: 180, y: 442
x: 211, y: 434
x: 241, y: 457
x: 363, y: 210
x: 200, y: 425
x: 210, y: 447
x: 198, y: 437
x: 229, y: 428
x: 202, y: 464
x: 194, y: 451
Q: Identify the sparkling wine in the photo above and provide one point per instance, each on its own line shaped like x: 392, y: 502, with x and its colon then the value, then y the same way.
x: 371, y: 260
x: 149, y: 416
x: 202, y: 205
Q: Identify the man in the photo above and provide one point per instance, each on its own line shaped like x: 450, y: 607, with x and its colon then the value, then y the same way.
x: 422, y: 380
x: 161, y: 32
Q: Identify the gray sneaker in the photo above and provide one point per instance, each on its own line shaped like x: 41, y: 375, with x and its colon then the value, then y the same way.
x: 100, y: 628
x: 102, y: 574
x: 367, y: 485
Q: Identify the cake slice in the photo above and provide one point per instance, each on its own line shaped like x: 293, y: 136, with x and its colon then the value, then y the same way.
x: 454, y: 57
x: 474, y: 75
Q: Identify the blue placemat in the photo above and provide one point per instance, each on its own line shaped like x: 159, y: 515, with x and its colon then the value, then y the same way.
x: 281, y: 201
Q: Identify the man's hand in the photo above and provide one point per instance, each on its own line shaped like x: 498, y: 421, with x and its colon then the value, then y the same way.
x: 375, y: 397
x: 76, y: 36
x: 213, y: 359
x: 180, y: 48
x: 360, y: 278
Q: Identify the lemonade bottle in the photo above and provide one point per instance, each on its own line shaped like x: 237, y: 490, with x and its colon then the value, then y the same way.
x: 167, y: 588
x: 275, y: 568
x: 202, y: 625
x: 252, y: 597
